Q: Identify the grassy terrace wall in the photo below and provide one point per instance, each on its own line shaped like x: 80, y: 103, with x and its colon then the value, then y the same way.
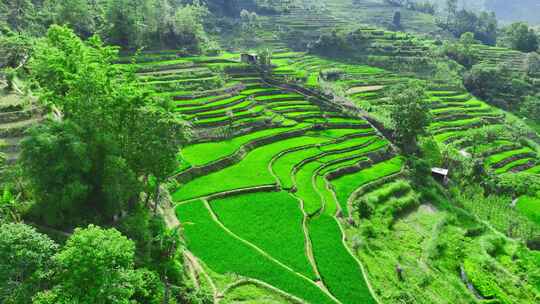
x: 16, y: 116
x: 455, y: 112
x: 280, y: 180
x: 269, y: 192
x: 457, y: 115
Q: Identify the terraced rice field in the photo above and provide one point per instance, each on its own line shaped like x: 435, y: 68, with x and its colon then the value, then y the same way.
x: 16, y: 116
x: 274, y: 167
x: 264, y: 184
x: 324, y: 16
x: 454, y: 111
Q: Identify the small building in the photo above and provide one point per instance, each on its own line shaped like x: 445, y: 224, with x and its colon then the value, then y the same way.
x: 440, y: 174
x: 249, y: 58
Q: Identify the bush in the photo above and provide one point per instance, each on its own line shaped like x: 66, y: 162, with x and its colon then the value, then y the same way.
x: 533, y: 64
x: 531, y: 107
x: 520, y: 37
x: 461, y: 52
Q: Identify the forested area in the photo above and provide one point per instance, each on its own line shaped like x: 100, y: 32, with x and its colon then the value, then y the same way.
x: 283, y: 151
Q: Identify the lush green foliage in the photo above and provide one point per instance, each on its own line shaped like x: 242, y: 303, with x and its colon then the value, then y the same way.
x: 128, y: 23
x: 520, y: 37
x: 272, y: 221
x: 56, y: 160
x: 339, y: 271
x: 94, y: 266
x: 460, y: 21
x: 113, y: 132
x: 229, y: 254
x: 25, y: 262
x: 410, y: 115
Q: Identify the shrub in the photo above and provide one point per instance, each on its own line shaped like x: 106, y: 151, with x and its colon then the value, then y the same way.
x: 520, y: 37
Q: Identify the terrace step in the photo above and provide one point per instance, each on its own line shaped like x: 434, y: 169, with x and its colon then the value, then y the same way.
x: 513, y: 158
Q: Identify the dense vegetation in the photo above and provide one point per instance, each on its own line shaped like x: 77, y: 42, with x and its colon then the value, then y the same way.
x: 254, y: 151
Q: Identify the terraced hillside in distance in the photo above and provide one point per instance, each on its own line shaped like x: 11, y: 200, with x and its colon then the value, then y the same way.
x: 456, y: 113
x: 271, y: 177
x: 308, y: 21
x: 270, y: 189
x: 17, y: 114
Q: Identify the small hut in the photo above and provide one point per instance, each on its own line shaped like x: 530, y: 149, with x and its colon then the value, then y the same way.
x: 249, y: 58
x: 440, y: 174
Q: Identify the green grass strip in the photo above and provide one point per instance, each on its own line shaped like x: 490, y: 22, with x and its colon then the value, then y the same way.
x: 204, y: 153
x: 224, y: 253
x: 347, y: 184
x: 530, y: 207
x: 496, y: 158
x: 512, y: 165
x: 271, y: 221
x: 340, y: 272
x: 251, y: 171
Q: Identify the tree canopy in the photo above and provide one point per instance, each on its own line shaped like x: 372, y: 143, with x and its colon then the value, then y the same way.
x: 130, y: 24
x: 409, y: 113
x: 520, y: 37
x: 114, y: 135
x: 25, y: 260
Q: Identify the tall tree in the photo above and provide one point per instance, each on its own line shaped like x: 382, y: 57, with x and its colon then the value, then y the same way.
x: 57, y: 163
x: 409, y: 114
x: 522, y: 38
x: 95, y: 266
x: 80, y: 15
x: 25, y: 259
x: 18, y: 14
x: 127, y: 133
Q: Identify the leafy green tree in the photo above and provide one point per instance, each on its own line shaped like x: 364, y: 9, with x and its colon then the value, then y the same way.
x: 187, y: 30
x: 409, y: 113
x: 18, y: 14
x: 15, y: 49
x: 95, y: 266
x: 11, y: 208
x: 25, y: 260
x: 462, y: 51
x: 522, y: 38
x: 80, y: 15
x: 458, y: 22
x: 531, y: 107
x: 57, y: 163
x: 120, y: 185
x: 130, y: 137
x: 155, y: 137
x: 127, y: 22
x: 533, y: 64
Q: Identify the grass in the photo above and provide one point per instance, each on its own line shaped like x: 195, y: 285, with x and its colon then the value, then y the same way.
x: 204, y: 153
x: 250, y: 172
x: 306, y: 191
x: 382, y: 194
x: 513, y: 164
x: 496, y: 158
x: 534, y: 170
x: 454, y: 123
x: 252, y: 294
x: 304, y: 177
x: 339, y: 270
x: 284, y: 165
x: 223, y: 253
x: 530, y: 207
x: 270, y: 220
x: 209, y: 106
x: 346, y: 185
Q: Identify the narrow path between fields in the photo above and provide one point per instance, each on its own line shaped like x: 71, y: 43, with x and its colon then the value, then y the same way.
x: 344, y: 242
x: 262, y: 252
